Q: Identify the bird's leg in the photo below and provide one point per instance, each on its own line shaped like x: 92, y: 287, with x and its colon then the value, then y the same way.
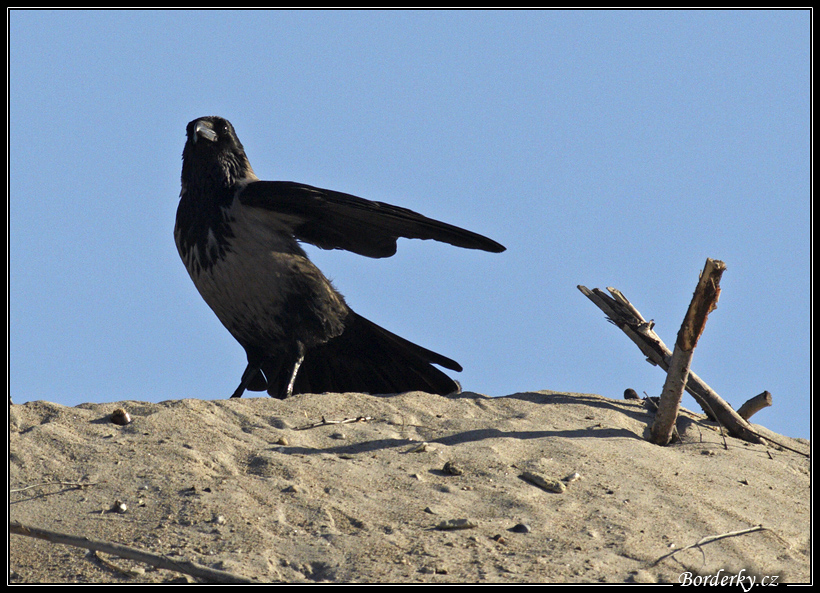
x: 247, y: 377
x: 296, y: 366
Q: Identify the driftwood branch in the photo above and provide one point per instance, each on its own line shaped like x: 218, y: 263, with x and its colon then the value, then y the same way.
x: 754, y: 405
x: 704, y: 301
x: 669, y: 403
x: 198, y: 571
x: 624, y: 315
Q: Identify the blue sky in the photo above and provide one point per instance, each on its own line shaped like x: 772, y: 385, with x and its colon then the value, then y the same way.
x: 601, y: 148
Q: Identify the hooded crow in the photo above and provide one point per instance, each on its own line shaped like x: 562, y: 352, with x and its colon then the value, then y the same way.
x: 239, y: 239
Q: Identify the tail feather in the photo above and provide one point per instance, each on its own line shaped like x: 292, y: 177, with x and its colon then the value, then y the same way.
x: 369, y: 359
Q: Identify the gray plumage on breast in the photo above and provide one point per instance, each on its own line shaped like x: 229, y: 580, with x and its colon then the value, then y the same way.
x: 258, y: 280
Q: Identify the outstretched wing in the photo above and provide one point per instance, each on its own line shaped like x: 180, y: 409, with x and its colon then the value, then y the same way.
x: 335, y: 220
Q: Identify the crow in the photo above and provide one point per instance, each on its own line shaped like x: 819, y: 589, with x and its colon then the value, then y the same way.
x: 239, y: 239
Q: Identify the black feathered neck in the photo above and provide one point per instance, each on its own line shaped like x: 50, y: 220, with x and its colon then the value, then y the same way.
x: 213, y: 162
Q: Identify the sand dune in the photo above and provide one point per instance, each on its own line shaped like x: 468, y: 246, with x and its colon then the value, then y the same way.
x: 428, y: 489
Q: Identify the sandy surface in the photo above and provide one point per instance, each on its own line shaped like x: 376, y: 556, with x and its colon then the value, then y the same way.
x: 238, y: 485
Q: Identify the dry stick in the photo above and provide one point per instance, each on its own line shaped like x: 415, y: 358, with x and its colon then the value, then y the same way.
x: 754, y: 405
x: 709, y: 539
x: 191, y: 568
x: 624, y: 315
x: 74, y: 484
x: 704, y: 301
x: 325, y: 422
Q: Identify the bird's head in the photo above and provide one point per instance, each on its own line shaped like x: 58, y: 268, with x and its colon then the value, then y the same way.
x: 213, y: 154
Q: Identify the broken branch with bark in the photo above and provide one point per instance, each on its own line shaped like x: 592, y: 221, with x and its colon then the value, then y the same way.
x: 704, y: 301
x: 754, y: 405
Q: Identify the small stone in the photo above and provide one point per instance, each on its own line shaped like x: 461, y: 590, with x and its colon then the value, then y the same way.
x: 453, y: 524
x: 520, y: 528
x: 547, y: 484
x: 120, y: 417
x: 452, y: 469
